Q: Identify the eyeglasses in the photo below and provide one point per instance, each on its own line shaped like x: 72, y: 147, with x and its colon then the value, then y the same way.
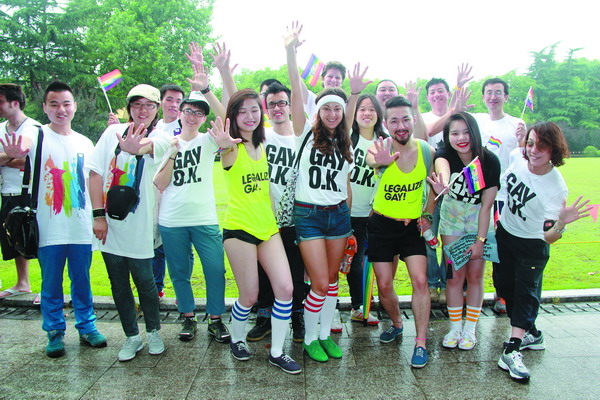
x: 280, y: 103
x: 189, y: 111
x: 494, y: 92
x: 147, y: 106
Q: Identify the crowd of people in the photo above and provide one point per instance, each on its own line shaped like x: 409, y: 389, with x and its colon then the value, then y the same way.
x: 368, y: 168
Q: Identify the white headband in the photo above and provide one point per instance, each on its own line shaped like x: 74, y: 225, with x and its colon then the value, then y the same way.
x: 331, y: 98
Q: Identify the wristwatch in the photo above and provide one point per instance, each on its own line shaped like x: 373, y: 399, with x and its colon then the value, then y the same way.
x: 481, y: 239
x: 205, y: 90
x: 428, y: 217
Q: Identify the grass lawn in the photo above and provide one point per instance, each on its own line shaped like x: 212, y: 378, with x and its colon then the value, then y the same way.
x: 574, y: 263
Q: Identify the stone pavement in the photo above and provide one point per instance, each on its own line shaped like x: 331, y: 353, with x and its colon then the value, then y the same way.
x: 569, y: 368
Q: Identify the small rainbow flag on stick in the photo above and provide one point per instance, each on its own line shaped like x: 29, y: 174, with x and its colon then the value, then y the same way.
x: 313, y: 70
x: 474, y: 176
x: 109, y: 81
x: 528, y: 101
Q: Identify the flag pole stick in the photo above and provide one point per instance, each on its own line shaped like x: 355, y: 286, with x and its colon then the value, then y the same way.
x: 524, y: 106
x: 455, y: 178
x: 105, y: 96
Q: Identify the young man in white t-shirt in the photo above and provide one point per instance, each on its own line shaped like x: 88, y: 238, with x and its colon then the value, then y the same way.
x: 281, y: 155
x: 12, y: 104
x: 500, y: 134
x: 64, y: 216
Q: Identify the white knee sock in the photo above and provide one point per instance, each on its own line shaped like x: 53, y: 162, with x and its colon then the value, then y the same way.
x: 280, y: 323
x: 240, y: 316
x: 328, y: 311
x: 312, y: 309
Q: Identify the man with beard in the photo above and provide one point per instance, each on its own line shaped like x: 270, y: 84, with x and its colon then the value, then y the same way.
x: 395, y: 226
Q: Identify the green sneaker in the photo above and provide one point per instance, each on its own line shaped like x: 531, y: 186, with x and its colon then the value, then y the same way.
x: 55, y: 347
x: 94, y: 339
x: 331, y: 347
x: 315, y: 351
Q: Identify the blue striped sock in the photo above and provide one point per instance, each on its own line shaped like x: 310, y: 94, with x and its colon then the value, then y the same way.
x: 280, y: 321
x: 240, y: 316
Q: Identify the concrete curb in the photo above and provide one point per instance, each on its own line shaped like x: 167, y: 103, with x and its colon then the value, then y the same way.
x: 168, y: 304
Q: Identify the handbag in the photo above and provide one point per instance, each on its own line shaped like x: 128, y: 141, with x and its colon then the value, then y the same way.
x: 285, y: 211
x: 21, y: 222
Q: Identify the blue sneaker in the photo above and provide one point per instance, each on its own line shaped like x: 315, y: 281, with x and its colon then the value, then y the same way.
x: 94, y: 339
x: 390, y: 334
x: 419, y: 357
x: 55, y: 347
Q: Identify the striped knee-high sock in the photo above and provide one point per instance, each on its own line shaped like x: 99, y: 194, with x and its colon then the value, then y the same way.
x: 328, y: 311
x: 280, y: 322
x: 472, y: 318
x: 240, y: 316
x: 312, y: 308
x: 455, y: 314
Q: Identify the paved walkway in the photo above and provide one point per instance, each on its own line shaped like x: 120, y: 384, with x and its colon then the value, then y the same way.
x: 569, y: 368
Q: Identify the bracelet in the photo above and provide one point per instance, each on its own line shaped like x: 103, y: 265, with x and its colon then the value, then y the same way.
x: 457, y: 87
x: 560, y: 231
x: 481, y: 239
x: 98, y: 213
x: 420, y: 338
x: 9, y: 160
x: 428, y: 217
x: 172, y: 158
x: 205, y: 90
x: 354, y: 94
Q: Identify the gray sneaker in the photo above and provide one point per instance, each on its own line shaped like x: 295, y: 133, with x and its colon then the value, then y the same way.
x: 132, y: 345
x: 188, y: 329
x: 531, y: 342
x: 155, y: 343
x: 513, y: 363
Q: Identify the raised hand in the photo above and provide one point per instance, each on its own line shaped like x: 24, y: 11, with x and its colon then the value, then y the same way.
x: 132, y: 143
x: 462, y: 97
x: 221, y: 57
x: 200, y: 78
x: 112, y: 119
x: 520, y: 132
x: 464, y: 70
x: 13, y: 147
x: 221, y: 134
x: 195, y: 56
x: 575, y: 211
x: 412, y: 94
x: 357, y: 79
x: 291, y: 39
x: 437, y: 183
x: 382, y: 152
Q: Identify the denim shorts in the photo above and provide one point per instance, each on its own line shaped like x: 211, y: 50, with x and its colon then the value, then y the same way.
x: 315, y: 222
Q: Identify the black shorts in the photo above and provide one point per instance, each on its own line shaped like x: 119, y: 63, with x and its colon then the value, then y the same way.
x: 387, y: 237
x: 8, y: 203
x: 241, y: 235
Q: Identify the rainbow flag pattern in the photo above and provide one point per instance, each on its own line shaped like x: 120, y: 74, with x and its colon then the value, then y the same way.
x: 529, y: 98
x: 495, y: 142
x: 110, y: 80
x: 474, y: 176
x: 313, y: 70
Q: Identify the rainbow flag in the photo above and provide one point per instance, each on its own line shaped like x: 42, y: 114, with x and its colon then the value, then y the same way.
x: 368, y: 279
x: 474, y: 176
x: 313, y: 69
x: 529, y: 98
x: 495, y: 142
x: 110, y: 80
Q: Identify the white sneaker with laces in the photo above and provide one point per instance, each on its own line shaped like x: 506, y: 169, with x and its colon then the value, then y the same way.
x: 155, y: 343
x: 132, y: 345
x: 513, y: 363
x: 358, y: 316
x: 467, y: 340
x: 451, y: 339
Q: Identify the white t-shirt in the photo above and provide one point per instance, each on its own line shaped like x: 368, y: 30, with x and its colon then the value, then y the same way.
x: 310, y: 107
x: 132, y: 237
x: 189, y: 200
x: 281, y: 155
x: 172, y: 128
x: 436, y: 141
x: 362, y: 180
x: 323, y: 179
x: 500, y: 138
x: 64, y: 208
x: 531, y: 200
x: 12, y: 178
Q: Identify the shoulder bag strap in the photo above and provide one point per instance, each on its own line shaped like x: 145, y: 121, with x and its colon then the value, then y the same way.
x: 36, y: 172
x: 297, y: 163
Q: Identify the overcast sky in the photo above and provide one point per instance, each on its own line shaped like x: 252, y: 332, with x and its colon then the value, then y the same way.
x: 405, y: 40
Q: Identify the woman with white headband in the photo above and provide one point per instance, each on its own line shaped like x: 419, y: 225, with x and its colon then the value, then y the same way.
x: 323, y: 197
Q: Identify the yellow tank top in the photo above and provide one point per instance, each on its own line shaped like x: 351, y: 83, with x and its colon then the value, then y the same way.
x: 400, y: 195
x: 249, y: 206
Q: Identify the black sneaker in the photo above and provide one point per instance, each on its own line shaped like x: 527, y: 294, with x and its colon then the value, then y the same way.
x: 298, y: 327
x: 286, y: 363
x: 218, y: 330
x: 188, y: 329
x: 240, y: 351
x: 260, y: 330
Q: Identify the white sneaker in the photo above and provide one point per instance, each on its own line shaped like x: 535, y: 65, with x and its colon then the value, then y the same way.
x: 336, y: 324
x: 451, y: 339
x: 358, y: 316
x: 132, y: 345
x: 467, y: 341
x: 155, y: 343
